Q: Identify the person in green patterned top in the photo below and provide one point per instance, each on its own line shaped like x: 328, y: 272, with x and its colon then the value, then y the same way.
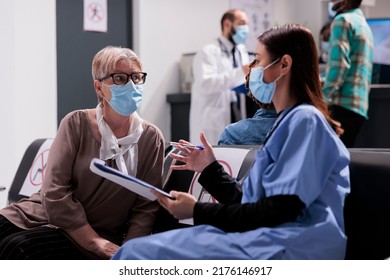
x: 349, y: 68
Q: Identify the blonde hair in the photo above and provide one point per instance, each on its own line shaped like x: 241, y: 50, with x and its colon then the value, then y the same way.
x: 109, y: 57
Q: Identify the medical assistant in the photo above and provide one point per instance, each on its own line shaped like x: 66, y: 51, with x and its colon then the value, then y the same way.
x: 211, y: 94
x: 302, y: 157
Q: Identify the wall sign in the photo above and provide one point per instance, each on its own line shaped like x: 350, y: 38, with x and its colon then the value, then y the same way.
x: 95, y: 15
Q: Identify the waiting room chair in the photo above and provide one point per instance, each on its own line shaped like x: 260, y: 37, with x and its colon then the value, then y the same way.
x: 30, y: 172
x: 367, y: 207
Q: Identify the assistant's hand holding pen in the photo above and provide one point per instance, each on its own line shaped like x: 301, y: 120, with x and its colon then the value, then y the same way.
x: 194, y: 159
x: 190, y: 146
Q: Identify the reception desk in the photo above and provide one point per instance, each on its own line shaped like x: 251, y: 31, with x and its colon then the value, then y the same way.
x: 375, y: 132
x: 180, y: 115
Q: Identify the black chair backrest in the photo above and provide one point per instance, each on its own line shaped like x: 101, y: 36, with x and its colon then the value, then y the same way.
x: 35, y: 154
x: 367, y: 207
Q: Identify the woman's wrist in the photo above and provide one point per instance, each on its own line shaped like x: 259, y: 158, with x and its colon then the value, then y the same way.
x: 211, y: 168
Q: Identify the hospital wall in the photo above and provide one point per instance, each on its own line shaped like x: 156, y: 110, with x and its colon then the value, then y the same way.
x: 162, y: 32
x: 28, y: 89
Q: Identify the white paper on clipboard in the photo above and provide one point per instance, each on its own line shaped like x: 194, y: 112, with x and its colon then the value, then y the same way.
x: 131, y: 183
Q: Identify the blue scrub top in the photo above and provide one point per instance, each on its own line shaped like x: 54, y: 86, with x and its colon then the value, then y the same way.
x: 303, y: 156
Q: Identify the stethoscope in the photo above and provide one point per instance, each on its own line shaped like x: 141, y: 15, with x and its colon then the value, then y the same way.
x: 227, y: 53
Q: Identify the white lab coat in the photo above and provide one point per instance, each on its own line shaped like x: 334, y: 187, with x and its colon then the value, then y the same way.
x: 211, y: 94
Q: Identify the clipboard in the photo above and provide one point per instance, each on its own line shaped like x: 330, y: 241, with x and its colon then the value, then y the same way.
x: 129, y: 182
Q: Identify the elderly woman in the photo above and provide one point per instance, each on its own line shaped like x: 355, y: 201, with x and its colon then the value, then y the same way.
x: 78, y: 214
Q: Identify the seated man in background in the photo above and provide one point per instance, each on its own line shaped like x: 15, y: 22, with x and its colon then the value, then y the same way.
x: 251, y: 131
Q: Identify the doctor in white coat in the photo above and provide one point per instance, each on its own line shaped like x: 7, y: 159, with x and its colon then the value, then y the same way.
x: 218, y: 68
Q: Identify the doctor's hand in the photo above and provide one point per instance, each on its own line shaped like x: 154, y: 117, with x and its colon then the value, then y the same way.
x: 180, y: 208
x: 194, y: 159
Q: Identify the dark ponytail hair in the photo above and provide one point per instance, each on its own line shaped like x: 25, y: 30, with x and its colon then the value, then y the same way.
x: 298, y: 42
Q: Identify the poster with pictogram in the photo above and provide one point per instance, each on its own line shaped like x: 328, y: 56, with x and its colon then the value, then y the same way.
x: 34, y: 178
x: 95, y: 15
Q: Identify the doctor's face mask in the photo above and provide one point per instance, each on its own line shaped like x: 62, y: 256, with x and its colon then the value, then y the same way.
x: 240, y: 34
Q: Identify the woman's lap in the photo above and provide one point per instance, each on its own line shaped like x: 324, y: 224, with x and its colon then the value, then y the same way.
x: 40, y: 243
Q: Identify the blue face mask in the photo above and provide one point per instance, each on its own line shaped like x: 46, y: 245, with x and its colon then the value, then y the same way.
x: 241, y: 34
x: 125, y: 99
x: 260, y: 90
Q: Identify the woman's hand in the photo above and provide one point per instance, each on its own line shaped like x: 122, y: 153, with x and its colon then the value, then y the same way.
x: 194, y: 159
x: 104, y: 248
x: 87, y: 238
x: 180, y: 208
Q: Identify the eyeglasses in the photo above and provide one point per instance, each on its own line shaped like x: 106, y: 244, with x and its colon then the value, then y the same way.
x: 138, y: 78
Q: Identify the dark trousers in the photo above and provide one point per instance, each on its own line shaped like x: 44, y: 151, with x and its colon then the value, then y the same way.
x: 250, y: 106
x: 235, y: 114
x: 350, y: 121
x: 40, y: 243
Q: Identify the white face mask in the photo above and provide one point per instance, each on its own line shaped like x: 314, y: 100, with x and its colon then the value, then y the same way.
x: 331, y: 11
x: 325, y: 46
